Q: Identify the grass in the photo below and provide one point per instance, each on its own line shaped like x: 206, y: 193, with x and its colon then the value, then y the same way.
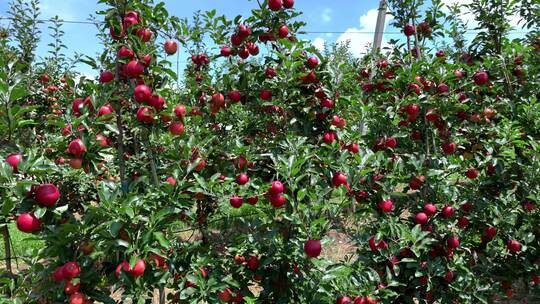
x: 22, y: 243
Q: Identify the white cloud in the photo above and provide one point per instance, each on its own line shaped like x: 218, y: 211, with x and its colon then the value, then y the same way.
x: 66, y: 11
x: 468, y: 17
x: 326, y: 15
x: 361, y: 38
x: 319, y: 43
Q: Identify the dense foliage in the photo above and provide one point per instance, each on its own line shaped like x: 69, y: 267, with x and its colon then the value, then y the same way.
x: 233, y: 184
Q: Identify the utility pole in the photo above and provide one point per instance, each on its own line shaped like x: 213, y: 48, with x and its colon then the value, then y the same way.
x: 379, y: 28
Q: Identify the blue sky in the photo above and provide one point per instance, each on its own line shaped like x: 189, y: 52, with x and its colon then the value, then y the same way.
x: 344, y: 16
x: 326, y: 16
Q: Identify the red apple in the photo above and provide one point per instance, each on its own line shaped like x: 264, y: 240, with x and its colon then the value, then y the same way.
x: 123, y: 266
x: 513, y: 246
x: 225, y: 51
x: 448, y: 211
x: 125, y: 52
x: 142, y: 93
x: 253, y: 263
x: 145, y: 34
x: 421, y: 218
x: 145, y: 115
x: 253, y: 200
x: 312, y: 62
x: 170, y: 47
x: 480, y: 78
x: 277, y: 201
x: 225, y: 295
x: 409, y: 30
x: 157, y: 102
x: 386, y: 205
x: 134, y: 69
x: 138, y: 268
x: 76, y: 147
x: 105, y: 110
x: 312, y: 248
x: 339, y: 179
x: 13, y: 160
x: 77, y: 298
x: 472, y: 173
x: 265, y: 95
x: 276, y: 188
x: 58, y: 274
x: 69, y: 288
x: 343, y: 300
x: 106, y: 76
x: 28, y: 223
x: 71, y: 270
x: 452, y: 242
x: 449, y: 147
x: 176, y: 128
x: 430, y: 209
x: 288, y: 3
x: 180, y: 111
x: 242, y: 179
x: 236, y: 201
x: 47, y: 194
x: 275, y: 5
x: 235, y: 96
x: 283, y: 31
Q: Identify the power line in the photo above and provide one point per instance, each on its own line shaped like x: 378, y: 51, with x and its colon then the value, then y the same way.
x: 301, y: 32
